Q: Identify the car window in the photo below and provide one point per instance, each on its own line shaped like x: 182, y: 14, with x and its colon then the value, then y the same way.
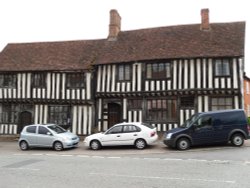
x: 57, y: 129
x: 31, y: 129
x: 115, y: 130
x: 42, y: 130
x: 204, y: 122
x: 130, y: 128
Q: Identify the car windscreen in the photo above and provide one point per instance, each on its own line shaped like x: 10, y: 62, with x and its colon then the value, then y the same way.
x: 190, y: 121
x: 57, y: 129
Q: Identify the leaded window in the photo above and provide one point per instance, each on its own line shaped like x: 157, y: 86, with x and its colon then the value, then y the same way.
x: 124, y: 72
x: 161, y: 110
x: 8, y: 80
x: 59, y: 115
x: 222, y: 67
x: 75, y: 80
x: 9, y: 113
x: 221, y: 103
x: 187, y: 102
x: 135, y: 104
x: 158, y: 70
x: 38, y: 80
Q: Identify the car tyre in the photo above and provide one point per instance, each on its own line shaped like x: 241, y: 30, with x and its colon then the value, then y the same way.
x: 95, y: 145
x: 58, y: 146
x: 24, y: 145
x: 183, y: 144
x: 140, y: 144
x: 237, y: 140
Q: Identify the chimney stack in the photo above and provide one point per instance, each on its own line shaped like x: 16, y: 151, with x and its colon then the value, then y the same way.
x: 114, y: 25
x: 205, y: 19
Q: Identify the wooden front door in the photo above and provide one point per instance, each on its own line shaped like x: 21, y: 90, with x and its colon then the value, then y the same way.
x: 114, y: 114
x: 25, y: 118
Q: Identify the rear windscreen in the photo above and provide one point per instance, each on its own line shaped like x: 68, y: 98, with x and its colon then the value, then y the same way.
x: 148, y: 125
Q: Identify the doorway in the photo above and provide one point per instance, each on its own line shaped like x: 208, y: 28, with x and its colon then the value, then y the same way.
x: 114, y: 114
x: 25, y: 118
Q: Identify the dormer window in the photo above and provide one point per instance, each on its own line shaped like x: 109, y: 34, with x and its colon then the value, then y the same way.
x: 8, y: 80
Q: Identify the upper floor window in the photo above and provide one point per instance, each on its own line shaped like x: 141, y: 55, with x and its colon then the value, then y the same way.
x: 8, y: 80
x: 158, y: 70
x: 39, y: 80
x: 222, y: 67
x: 75, y: 80
x: 124, y: 72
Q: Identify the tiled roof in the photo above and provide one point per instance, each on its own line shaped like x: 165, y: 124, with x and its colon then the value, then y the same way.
x: 173, y: 42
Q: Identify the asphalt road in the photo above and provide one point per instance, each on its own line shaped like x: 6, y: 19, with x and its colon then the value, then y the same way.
x: 154, y: 167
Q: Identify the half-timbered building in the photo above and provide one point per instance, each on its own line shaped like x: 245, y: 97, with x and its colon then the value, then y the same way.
x: 46, y: 83
x: 157, y: 75
x: 164, y: 75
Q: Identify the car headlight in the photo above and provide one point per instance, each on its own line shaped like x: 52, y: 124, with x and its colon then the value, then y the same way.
x: 169, y: 136
x: 66, y: 139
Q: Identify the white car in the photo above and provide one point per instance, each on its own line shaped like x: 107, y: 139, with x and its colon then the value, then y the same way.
x: 138, y: 134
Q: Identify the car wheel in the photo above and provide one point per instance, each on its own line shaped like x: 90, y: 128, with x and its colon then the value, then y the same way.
x: 140, y: 144
x: 58, y: 146
x: 183, y: 144
x: 95, y: 145
x: 237, y: 140
x: 24, y: 145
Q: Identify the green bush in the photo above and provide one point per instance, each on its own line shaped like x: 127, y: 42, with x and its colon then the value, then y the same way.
x: 248, y: 120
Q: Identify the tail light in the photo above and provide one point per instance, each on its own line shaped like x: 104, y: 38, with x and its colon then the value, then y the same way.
x: 152, y: 134
x: 248, y: 127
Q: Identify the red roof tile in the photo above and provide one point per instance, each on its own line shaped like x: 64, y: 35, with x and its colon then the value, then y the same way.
x: 183, y: 41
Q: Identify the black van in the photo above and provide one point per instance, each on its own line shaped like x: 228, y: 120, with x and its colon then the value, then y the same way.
x: 209, y: 128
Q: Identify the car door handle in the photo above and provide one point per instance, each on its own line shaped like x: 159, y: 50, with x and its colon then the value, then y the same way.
x: 135, y: 134
x: 118, y: 136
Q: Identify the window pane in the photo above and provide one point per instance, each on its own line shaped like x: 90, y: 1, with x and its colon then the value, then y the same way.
x: 217, y: 67
x: 42, y: 130
x: 225, y: 70
x: 168, y: 73
x: 149, y: 71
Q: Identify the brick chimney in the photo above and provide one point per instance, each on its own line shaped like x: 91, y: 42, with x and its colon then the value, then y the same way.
x: 205, y: 19
x: 114, y: 25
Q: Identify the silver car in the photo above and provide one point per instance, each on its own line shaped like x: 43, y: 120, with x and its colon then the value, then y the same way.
x: 47, y: 135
